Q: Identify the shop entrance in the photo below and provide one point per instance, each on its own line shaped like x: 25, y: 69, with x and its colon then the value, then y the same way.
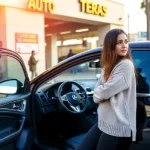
x: 70, y: 35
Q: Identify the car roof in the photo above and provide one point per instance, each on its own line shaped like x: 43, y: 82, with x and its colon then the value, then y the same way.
x: 135, y: 44
x: 139, y: 44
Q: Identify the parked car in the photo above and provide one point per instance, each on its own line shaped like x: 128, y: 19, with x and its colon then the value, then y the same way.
x: 56, y: 109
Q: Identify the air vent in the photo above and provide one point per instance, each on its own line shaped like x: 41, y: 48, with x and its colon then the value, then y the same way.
x: 89, y: 92
x: 88, y: 89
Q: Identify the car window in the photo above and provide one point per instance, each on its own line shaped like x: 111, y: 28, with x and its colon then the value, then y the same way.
x: 82, y: 71
x: 142, y: 62
x: 11, y: 74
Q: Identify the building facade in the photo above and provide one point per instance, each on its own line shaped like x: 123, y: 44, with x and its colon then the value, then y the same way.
x: 52, y: 27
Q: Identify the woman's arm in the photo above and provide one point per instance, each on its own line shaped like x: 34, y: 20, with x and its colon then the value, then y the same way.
x: 99, y: 82
x: 118, y: 82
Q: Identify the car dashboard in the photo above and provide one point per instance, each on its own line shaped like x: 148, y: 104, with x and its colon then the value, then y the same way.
x: 47, y: 95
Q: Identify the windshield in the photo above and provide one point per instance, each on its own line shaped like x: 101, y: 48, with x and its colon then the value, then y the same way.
x: 82, y: 71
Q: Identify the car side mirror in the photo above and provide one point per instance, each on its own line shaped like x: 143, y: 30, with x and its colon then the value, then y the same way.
x: 9, y: 86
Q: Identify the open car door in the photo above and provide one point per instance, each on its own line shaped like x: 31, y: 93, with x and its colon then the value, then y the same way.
x: 14, y: 102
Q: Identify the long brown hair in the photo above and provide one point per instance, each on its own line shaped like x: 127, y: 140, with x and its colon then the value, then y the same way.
x: 109, y: 58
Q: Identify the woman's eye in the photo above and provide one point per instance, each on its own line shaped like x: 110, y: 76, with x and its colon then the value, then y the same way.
x: 122, y: 42
x: 119, y: 42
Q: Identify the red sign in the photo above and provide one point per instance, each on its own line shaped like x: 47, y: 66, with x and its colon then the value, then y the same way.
x: 26, y: 38
x: 1, y: 44
x: 26, y: 42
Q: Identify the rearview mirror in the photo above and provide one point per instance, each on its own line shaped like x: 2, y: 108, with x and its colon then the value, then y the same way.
x: 8, y: 86
x: 95, y: 64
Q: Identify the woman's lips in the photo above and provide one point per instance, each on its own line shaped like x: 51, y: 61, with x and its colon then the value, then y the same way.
x: 124, y: 51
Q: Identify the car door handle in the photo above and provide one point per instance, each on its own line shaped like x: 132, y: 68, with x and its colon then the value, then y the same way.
x: 20, y: 106
x: 143, y: 95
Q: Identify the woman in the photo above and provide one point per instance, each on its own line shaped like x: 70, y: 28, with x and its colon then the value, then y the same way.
x: 115, y: 93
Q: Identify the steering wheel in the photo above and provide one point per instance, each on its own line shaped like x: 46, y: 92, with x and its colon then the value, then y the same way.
x: 73, y: 102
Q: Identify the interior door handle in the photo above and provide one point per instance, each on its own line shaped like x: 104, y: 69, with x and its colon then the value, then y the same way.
x: 15, y: 106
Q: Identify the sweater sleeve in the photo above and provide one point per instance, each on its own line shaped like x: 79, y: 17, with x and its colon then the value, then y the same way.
x: 118, y: 82
x: 100, y: 79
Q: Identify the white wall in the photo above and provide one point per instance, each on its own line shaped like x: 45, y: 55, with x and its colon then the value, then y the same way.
x: 21, y: 21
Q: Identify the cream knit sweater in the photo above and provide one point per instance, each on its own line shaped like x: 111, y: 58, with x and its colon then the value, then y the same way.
x: 117, y: 101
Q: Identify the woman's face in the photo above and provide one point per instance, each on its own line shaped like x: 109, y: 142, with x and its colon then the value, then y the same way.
x: 121, y: 45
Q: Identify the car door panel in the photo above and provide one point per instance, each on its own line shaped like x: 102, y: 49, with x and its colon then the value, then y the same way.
x: 12, y: 117
x: 10, y: 129
x: 13, y: 106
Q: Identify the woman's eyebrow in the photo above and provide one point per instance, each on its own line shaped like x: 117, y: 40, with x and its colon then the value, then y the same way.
x: 123, y: 40
x: 119, y: 40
